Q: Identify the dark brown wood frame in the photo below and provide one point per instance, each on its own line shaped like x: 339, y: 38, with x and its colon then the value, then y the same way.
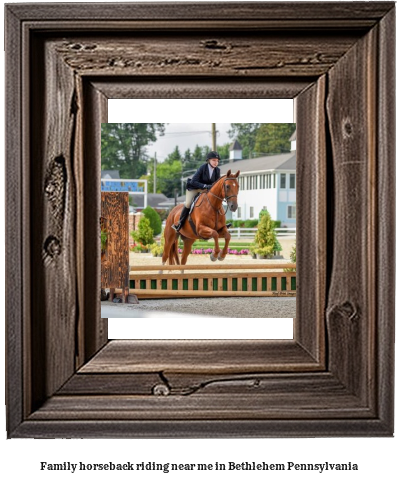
x: 64, y: 379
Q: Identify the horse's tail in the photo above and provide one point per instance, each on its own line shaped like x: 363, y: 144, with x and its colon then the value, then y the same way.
x: 174, y: 254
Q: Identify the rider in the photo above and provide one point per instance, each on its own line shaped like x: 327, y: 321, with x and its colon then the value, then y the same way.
x: 203, y: 179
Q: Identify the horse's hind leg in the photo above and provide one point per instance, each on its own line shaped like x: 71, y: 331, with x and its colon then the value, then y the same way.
x: 188, y: 243
x: 170, y: 236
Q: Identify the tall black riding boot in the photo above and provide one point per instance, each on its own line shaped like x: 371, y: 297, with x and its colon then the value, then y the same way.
x: 183, y: 215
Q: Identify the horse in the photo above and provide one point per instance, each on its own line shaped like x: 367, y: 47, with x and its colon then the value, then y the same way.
x: 207, y: 221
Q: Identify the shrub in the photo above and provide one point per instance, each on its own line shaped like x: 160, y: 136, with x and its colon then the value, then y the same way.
x: 293, y: 253
x: 265, y: 238
x: 154, y: 218
x: 250, y: 223
x: 276, y: 223
x: 144, y: 234
x: 157, y: 248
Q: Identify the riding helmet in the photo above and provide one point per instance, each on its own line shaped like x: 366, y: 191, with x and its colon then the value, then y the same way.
x: 212, y: 155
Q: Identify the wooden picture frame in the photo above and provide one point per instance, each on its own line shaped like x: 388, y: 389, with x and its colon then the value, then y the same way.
x: 335, y: 378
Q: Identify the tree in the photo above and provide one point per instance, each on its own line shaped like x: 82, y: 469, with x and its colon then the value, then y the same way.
x: 169, y: 178
x: 174, y: 156
x: 245, y: 133
x: 224, y: 152
x: 274, y: 138
x: 265, y: 240
x: 154, y: 218
x: 123, y: 146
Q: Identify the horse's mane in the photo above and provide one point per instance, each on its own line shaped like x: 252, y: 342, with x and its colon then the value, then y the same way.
x: 221, y: 177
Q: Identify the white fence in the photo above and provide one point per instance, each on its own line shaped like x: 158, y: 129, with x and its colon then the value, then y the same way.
x: 249, y: 233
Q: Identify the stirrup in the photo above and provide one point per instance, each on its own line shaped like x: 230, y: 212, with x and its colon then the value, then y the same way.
x: 177, y: 227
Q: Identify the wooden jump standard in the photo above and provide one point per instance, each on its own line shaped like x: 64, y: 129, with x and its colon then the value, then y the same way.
x: 201, y: 281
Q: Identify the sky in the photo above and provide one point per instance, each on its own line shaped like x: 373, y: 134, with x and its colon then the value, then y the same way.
x: 187, y: 136
x: 188, y: 119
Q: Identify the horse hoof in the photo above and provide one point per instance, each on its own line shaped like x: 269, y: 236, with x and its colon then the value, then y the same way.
x: 213, y: 258
x: 220, y: 256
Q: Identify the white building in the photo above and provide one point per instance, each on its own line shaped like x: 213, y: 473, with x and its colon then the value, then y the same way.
x: 266, y: 183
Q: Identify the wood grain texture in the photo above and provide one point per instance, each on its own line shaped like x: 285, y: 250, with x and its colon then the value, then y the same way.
x: 137, y: 87
x: 200, y: 356
x: 189, y: 428
x: 385, y: 245
x: 16, y: 290
x: 359, y: 13
x: 351, y: 308
x: 311, y: 218
x: 208, y: 54
x: 115, y: 266
x: 53, y: 238
x: 94, y: 330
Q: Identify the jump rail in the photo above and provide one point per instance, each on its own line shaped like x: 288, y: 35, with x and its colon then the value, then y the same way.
x: 251, y: 280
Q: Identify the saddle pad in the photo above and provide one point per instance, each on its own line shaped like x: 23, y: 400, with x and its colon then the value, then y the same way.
x: 194, y: 201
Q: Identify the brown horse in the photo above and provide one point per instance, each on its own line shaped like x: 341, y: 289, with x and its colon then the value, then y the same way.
x: 208, y: 220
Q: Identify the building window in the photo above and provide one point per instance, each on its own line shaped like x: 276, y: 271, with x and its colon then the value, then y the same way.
x: 282, y: 181
x: 291, y: 211
x: 255, y: 182
x: 292, y: 181
x: 239, y: 212
x: 251, y: 212
x: 274, y: 180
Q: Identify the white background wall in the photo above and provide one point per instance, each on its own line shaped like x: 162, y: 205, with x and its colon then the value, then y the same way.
x: 20, y: 459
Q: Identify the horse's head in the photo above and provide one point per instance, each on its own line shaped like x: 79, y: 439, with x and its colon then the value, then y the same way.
x: 231, y: 189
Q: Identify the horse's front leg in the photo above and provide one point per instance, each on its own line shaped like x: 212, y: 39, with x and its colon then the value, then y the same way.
x: 207, y: 232
x: 224, y: 233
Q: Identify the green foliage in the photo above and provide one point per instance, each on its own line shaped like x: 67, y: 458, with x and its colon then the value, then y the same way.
x: 273, y: 138
x: 157, y: 247
x: 174, y: 156
x: 245, y: 133
x: 293, y: 253
x: 155, y: 219
x: 265, y: 238
x: 144, y: 234
x: 104, y: 238
x: 250, y: 223
x: 169, y: 178
x: 123, y: 146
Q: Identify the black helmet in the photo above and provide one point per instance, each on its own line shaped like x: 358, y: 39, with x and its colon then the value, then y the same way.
x: 212, y: 155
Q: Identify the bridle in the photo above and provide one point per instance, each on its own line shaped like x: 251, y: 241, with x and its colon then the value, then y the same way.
x: 225, y: 198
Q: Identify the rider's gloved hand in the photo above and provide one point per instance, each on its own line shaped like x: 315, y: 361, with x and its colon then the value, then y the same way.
x: 208, y: 186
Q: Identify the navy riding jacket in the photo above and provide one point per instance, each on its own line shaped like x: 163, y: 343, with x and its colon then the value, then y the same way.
x: 201, y: 178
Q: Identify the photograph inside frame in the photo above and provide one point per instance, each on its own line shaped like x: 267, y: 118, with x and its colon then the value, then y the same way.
x: 198, y: 220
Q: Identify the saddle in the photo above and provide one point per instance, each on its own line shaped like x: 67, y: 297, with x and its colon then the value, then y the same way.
x: 194, y: 201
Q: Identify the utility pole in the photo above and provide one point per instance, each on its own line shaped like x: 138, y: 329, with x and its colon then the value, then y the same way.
x: 155, y: 172
x: 214, y: 136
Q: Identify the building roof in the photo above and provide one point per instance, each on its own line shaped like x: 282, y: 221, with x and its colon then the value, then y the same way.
x: 286, y: 161
x: 235, y: 146
x: 155, y: 200
x: 110, y: 174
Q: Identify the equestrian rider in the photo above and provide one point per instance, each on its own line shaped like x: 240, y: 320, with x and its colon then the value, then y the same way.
x: 203, y: 179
